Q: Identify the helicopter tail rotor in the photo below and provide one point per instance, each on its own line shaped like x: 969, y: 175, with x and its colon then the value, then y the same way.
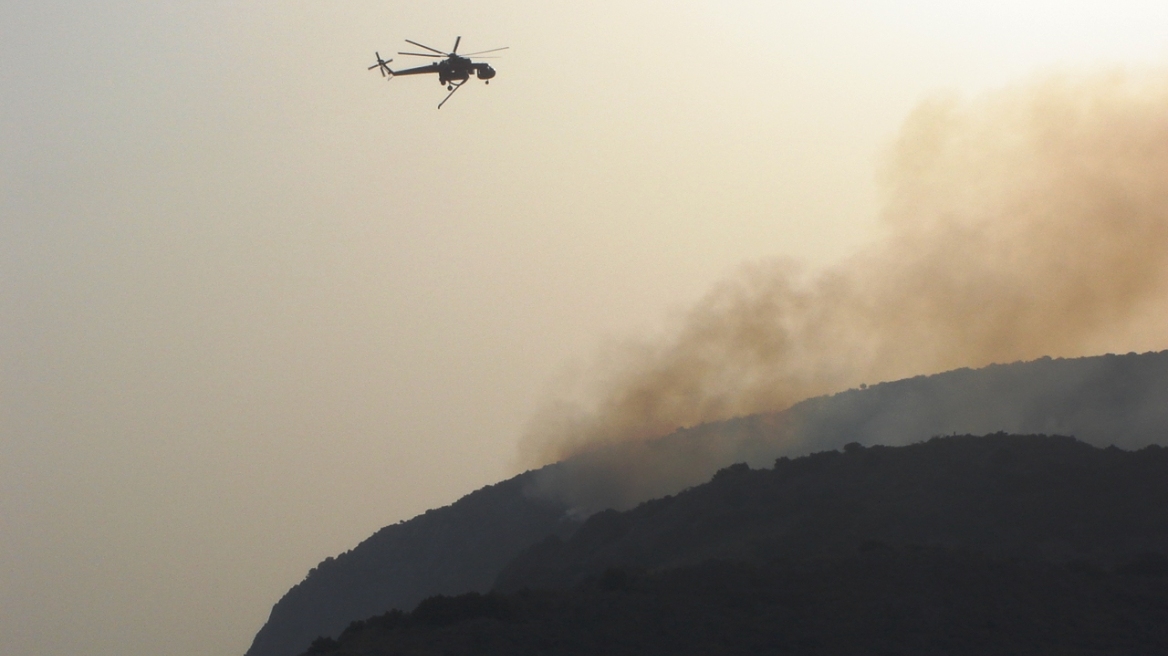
x: 383, y: 64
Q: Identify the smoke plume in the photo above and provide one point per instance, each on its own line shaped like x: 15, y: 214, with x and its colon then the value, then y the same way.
x: 1031, y: 221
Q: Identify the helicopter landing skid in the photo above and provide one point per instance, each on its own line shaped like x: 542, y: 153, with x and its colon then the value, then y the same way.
x: 453, y: 88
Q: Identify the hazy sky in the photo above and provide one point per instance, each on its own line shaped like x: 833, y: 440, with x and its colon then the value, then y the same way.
x: 256, y: 303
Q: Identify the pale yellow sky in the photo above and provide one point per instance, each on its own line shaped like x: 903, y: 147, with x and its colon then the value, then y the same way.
x: 256, y: 303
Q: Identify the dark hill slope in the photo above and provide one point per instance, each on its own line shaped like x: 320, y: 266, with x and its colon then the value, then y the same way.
x: 1048, y: 498
x: 960, y: 545
x: 909, y: 602
x: 1114, y: 398
x: 450, y: 550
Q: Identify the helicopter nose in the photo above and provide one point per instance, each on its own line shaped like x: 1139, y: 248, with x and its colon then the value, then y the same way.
x: 486, y: 73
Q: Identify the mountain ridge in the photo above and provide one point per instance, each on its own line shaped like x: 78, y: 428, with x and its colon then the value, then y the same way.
x: 451, y: 550
x: 1121, y: 399
x: 1049, y: 498
x: 959, y: 545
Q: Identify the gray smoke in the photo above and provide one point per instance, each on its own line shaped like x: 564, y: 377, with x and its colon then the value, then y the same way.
x: 1031, y: 221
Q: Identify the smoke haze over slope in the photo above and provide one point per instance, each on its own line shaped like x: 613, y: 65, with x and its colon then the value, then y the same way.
x: 1027, y: 222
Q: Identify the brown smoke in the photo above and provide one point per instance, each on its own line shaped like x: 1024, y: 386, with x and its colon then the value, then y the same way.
x: 1024, y: 223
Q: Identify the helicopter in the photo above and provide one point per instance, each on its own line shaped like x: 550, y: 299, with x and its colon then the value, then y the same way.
x: 453, y: 71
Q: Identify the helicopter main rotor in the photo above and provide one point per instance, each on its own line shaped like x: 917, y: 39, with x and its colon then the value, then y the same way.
x: 436, y: 53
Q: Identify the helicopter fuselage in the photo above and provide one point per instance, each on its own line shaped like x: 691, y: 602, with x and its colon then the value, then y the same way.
x: 459, y: 69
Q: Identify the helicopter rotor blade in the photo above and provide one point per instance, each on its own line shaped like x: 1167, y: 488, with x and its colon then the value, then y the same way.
x: 426, y: 47
x: 457, y: 40
x: 483, y: 52
x: 421, y: 54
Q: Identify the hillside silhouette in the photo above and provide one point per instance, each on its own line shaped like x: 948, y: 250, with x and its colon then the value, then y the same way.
x: 1043, y: 498
x: 958, y: 545
x: 461, y: 548
x: 451, y: 550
